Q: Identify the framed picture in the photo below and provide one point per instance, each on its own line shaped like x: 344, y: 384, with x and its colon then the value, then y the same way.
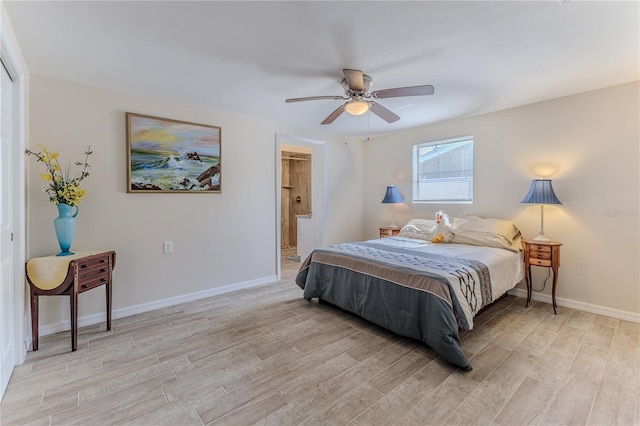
x: 165, y: 155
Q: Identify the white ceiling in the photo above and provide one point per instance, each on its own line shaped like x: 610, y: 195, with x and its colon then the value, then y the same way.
x: 248, y: 57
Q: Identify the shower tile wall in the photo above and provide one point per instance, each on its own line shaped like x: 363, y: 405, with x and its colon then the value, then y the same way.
x: 296, y: 196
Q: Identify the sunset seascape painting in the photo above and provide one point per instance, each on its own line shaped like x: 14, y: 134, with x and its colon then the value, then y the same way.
x: 167, y: 155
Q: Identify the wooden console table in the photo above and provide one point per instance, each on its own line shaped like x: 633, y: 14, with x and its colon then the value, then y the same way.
x: 69, y: 276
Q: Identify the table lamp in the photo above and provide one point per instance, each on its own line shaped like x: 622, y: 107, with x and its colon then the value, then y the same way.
x: 541, y: 192
x: 392, y: 197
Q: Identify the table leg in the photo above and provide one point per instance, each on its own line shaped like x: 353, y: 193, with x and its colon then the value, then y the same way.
x: 553, y: 291
x: 34, y: 318
x: 527, y: 277
x: 74, y: 319
x: 109, y: 304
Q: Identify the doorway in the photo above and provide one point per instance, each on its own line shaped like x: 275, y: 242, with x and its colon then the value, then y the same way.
x: 304, y: 157
x: 295, y: 199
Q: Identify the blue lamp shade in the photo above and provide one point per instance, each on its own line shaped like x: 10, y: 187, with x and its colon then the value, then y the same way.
x: 392, y: 196
x: 541, y: 192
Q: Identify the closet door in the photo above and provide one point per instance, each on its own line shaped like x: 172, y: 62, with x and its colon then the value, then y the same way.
x: 7, y: 303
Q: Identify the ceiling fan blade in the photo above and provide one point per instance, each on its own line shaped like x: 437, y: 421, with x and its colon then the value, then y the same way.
x: 354, y: 79
x: 314, y: 98
x: 383, y: 113
x: 404, y: 91
x: 335, y: 114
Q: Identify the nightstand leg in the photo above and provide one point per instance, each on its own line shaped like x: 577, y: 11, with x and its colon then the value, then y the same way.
x: 553, y: 291
x: 527, y: 278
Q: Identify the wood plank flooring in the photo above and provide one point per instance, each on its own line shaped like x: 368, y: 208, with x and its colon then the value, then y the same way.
x: 266, y: 356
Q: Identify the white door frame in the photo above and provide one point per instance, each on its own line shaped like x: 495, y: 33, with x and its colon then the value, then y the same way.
x: 12, y: 59
x: 318, y: 191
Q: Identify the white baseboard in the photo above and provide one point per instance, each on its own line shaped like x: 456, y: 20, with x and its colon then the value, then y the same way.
x: 581, y: 306
x: 65, y: 325
x: 47, y: 329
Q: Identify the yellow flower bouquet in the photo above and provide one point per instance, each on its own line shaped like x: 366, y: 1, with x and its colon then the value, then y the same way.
x: 61, y: 187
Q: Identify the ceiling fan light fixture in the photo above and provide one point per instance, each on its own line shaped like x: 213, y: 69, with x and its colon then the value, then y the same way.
x: 360, y: 99
x: 357, y: 107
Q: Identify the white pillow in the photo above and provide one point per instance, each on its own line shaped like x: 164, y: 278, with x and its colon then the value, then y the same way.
x: 487, y: 239
x: 418, y: 228
x: 489, y: 232
x: 503, y: 227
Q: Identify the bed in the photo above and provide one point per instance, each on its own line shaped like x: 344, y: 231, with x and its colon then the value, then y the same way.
x: 416, y: 288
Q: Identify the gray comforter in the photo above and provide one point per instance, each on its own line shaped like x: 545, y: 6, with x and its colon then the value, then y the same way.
x: 412, y: 294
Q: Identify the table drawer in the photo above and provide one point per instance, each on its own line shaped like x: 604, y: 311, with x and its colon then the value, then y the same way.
x: 389, y: 232
x: 93, y: 283
x: 541, y: 255
x: 539, y: 262
x: 540, y: 248
x: 93, y: 272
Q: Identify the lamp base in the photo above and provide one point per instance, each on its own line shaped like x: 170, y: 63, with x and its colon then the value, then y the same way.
x: 541, y: 239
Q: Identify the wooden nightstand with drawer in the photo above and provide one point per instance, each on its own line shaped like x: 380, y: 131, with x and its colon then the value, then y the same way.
x: 546, y: 254
x: 387, y: 231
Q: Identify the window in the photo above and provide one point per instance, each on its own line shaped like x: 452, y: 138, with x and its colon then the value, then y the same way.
x: 443, y: 171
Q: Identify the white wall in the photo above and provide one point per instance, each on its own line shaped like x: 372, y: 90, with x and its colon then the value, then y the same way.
x: 587, y: 143
x: 219, y: 239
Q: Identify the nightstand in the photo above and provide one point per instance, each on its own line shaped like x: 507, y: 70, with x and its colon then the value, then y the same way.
x: 541, y: 254
x: 387, y: 231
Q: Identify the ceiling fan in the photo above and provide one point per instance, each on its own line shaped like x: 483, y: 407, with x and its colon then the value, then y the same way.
x: 358, y: 94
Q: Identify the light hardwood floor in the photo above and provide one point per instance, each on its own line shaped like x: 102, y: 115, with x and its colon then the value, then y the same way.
x: 266, y: 356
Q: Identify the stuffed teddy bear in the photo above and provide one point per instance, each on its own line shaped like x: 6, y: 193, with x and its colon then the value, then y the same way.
x: 442, y: 230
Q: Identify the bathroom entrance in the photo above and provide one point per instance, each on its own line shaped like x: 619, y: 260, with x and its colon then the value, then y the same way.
x: 296, y: 232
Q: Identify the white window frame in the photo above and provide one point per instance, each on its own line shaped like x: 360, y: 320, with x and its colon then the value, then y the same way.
x: 417, y: 197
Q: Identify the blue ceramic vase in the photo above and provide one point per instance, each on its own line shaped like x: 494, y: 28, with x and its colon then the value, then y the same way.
x: 65, y: 225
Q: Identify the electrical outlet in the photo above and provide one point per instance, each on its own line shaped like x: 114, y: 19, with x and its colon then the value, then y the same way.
x: 167, y: 247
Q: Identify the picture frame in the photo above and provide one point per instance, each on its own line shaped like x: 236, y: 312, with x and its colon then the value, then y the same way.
x: 172, y: 156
